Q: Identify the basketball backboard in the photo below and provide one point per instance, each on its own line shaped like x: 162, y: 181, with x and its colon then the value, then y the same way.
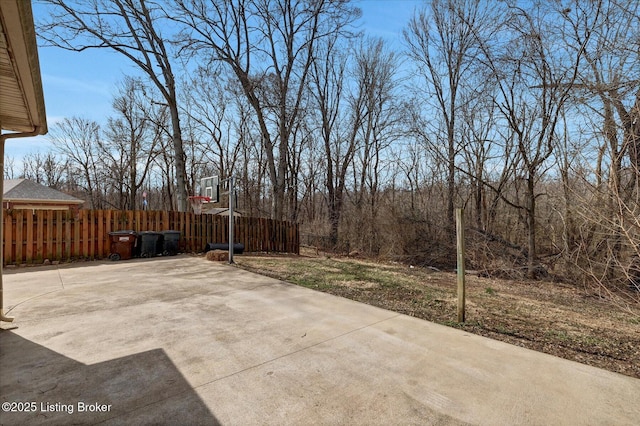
x: 209, y: 187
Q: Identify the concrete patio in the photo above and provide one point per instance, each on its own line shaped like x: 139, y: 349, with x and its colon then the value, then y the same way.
x: 180, y: 340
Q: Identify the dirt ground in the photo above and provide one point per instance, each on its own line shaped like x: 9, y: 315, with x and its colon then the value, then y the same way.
x: 555, y: 318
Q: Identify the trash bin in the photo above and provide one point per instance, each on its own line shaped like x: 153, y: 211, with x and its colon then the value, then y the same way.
x: 123, y: 244
x: 238, y: 248
x: 150, y: 243
x: 170, y: 243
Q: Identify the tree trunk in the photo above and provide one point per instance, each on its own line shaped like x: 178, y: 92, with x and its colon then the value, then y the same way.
x: 451, y: 176
x: 181, y: 171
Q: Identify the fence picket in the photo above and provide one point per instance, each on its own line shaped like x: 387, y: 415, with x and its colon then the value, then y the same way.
x: 19, y: 239
x: 8, y: 237
x: 48, y: 236
x: 84, y: 222
x: 28, y: 240
x: 67, y: 236
x: 58, y: 227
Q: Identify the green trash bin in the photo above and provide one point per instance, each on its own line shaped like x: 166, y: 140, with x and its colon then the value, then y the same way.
x: 150, y: 244
x: 171, y: 239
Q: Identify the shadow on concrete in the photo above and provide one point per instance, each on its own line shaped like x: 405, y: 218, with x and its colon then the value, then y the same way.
x: 144, y: 388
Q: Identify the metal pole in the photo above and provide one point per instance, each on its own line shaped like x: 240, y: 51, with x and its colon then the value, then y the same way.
x: 231, y: 200
x: 2, y: 315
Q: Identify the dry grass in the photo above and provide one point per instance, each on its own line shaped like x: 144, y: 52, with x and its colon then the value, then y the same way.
x: 548, y: 317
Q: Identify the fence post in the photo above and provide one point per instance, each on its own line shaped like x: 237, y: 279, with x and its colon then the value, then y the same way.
x: 460, y: 249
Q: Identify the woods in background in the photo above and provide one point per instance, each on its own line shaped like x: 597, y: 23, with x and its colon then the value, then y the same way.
x: 527, y: 114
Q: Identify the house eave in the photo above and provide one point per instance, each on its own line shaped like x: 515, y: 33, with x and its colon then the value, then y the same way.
x: 37, y: 201
x: 22, y: 107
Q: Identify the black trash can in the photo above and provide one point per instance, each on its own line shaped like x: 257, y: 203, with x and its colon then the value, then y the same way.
x: 170, y: 243
x: 150, y: 243
x: 123, y: 244
x: 238, y: 248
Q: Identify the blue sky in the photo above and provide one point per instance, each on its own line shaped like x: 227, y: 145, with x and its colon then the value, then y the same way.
x: 82, y: 83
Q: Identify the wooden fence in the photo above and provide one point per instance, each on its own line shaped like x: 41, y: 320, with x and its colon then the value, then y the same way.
x: 33, y: 236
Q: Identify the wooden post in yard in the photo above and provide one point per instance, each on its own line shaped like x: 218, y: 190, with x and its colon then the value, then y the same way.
x: 460, y: 247
x: 231, y: 218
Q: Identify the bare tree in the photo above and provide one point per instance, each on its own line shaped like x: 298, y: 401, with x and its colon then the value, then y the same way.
x: 78, y: 140
x: 269, y: 47
x: 313, y: 176
x: 252, y: 168
x: 44, y: 168
x: 480, y: 151
x: 376, y: 116
x: 209, y: 107
x: 442, y: 40
x: 535, y: 79
x: 328, y: 75
x: 10, y: 167
x: 606, y: 94
x: 130, y: 143
x: 132, y: 29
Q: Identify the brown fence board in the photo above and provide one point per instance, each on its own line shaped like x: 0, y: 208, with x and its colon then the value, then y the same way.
x: 58, y: 227
x: 100, y: 235
x: 137, y: 220
x: 93, y: 230
x: 38, y: 238
x: 19, y: 239
x: 28, y: 235
x: 67, y: 236
x: 75, y: 242
x: 84, y: 225
x: 48, y: 237
x: 7, y: 239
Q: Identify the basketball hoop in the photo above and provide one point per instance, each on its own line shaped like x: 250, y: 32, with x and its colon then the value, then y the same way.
x: 196, y: 203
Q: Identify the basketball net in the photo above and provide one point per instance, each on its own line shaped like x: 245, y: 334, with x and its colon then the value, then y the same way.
x: 196, y: 203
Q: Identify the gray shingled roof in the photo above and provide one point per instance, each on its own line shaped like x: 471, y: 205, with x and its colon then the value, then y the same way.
x: 27, y: 190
